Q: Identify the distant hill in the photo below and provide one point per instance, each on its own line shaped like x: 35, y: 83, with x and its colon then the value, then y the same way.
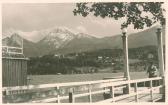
x: 30, y: 49
x: 144, y: 38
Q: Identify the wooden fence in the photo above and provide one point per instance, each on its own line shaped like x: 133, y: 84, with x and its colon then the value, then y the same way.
x: 70, y: 92
x: 12, y: 50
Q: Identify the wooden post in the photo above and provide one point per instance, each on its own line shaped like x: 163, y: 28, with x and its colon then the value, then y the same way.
x: 71, y: 97
x: 151, y: 90
x: 58, y: 93
x: 112, y: 91
x: 7, y: 50
x: 90, y: 93
x: 160, y: 57
x: 22, y: 46
x: 126, y: 63
x: 136, y: 90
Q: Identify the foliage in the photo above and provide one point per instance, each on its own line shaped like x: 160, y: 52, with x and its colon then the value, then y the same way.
x: 49, y: 64
x: 139, y: 14
x: 72, y: 63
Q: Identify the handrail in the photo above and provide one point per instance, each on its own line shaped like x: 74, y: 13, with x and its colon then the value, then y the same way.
x: 23, y: 58
x: 111, y: 84
x: 136, y: 92
x: 129, y: 95
x: 133, y: 81
x: 12, y: 48
x: 78, y: 83
x: 58, y: 84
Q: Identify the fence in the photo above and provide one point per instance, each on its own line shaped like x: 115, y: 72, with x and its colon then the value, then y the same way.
x: 152, y: 87
x: 69, y: 92
x: 12, y: 50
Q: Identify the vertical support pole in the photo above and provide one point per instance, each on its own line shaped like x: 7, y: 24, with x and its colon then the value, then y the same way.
x: 7, y: 50
x: 160, y: 52
x: 126, y: 63
x: 7, y: 92
x: 112, y: 91
x: 136, y: 91
x: 160, y: 58
x: 151, y: 90
x: 71, y: 96
x: 58, y: 93
x: 90, y: 93
x: 125, y: 51
x: 22, y: 46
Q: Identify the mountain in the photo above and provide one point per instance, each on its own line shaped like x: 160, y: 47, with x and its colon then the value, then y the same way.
x: 82, y: 42
x: 89, y: 44
x: 30, y: 49
x: 62, y: 40
x: 14, y: 40
x: 57, y: 38
x: 144, y: 38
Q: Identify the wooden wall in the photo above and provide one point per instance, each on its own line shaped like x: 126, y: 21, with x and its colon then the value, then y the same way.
x: 14, y: 72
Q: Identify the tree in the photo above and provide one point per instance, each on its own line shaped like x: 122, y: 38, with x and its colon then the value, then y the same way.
x: 139, y: 14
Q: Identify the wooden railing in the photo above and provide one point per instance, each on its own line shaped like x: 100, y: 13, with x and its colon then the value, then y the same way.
x: 152, y: 87
x: 12, y: 50
x: 69, y: 92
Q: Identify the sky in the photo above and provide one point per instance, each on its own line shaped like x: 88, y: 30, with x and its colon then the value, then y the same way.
x: 33, y: 17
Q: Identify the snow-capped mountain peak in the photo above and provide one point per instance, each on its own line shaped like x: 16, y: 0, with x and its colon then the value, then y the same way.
x: 9, y: 33
x: 61, y: 29
x: 14, y: 40
x: 83, y: 35
x: 58, y: 37
x: 55, y: 37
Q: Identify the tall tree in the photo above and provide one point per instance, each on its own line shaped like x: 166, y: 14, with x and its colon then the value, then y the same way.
x: 139, y: 14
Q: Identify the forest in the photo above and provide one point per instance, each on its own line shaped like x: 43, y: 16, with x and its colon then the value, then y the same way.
x: 89, y: 62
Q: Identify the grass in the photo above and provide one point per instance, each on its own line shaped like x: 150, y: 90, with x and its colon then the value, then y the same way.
x: 45, y: 79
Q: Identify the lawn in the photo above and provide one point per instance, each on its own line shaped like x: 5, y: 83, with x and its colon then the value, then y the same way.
x: 45, y: 79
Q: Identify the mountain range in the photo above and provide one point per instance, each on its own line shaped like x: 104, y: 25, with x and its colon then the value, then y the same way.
x: 63, y: 41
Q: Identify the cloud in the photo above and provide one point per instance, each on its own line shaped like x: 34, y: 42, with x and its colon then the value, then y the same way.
x: 33, y: 17
x: 81, y: 29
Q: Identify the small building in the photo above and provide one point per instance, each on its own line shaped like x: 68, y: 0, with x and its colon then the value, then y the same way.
x: 14, y: 66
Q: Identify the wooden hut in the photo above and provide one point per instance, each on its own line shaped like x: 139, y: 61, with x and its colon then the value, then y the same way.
x: 14, y: 67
